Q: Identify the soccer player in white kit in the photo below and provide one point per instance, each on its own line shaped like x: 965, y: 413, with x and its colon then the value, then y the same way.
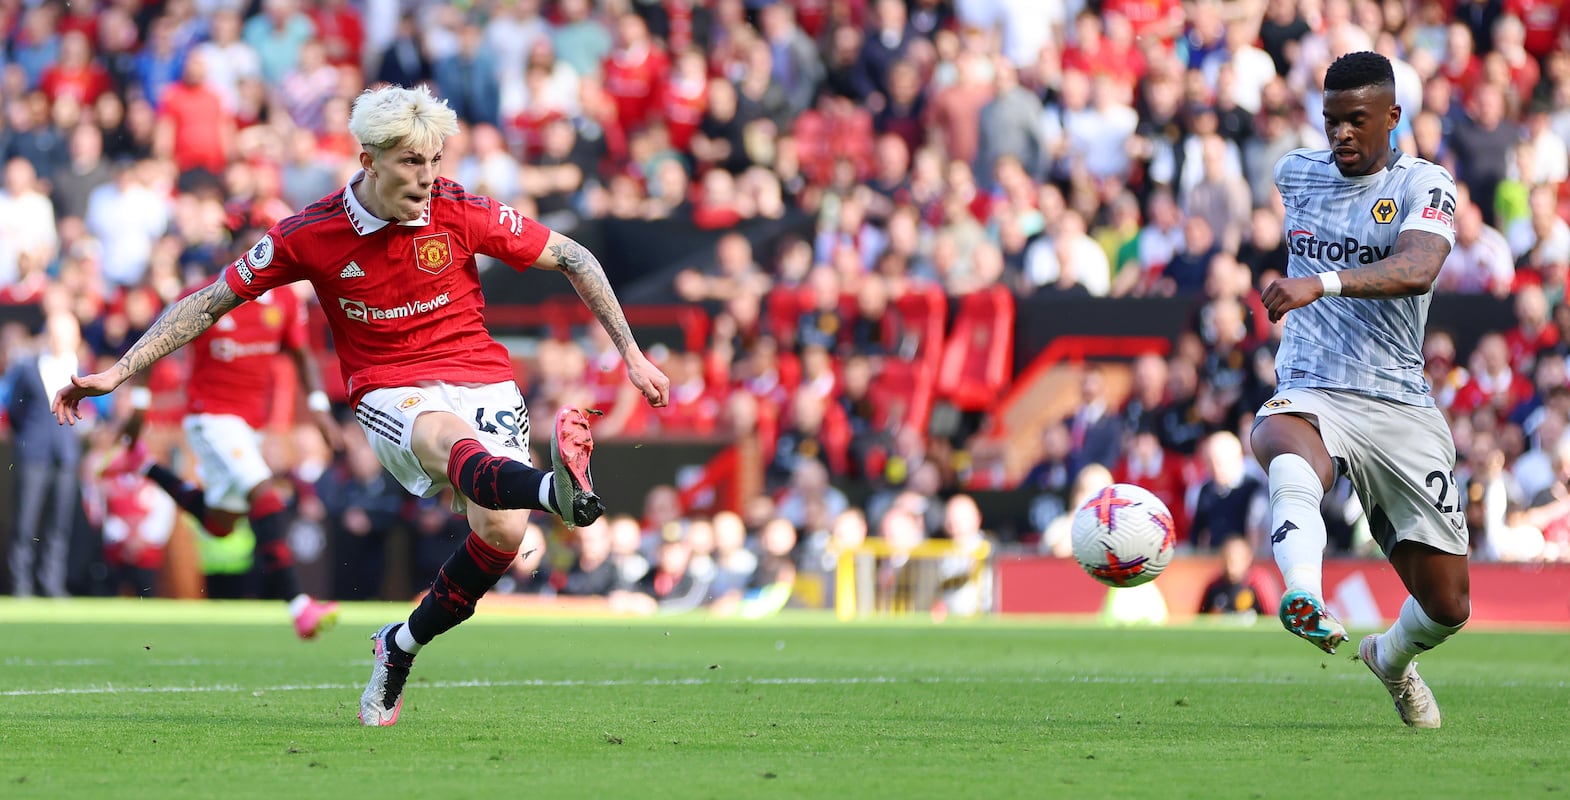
x: 1368, y: 229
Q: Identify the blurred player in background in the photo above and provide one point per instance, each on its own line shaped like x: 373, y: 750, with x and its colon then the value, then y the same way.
x: 1368, y: 229
x: 229, y: 395
x: 392, y: 259
x: 135, y: 517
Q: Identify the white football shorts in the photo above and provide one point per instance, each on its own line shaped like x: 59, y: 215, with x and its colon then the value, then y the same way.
x: 1400, y: 458
x: 229, y: 460
x: 495, y: 411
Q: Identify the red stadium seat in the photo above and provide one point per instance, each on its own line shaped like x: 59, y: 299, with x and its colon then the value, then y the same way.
x: 978, y: 358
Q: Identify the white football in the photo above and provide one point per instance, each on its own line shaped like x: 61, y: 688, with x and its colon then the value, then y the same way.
x: 1124, y: 536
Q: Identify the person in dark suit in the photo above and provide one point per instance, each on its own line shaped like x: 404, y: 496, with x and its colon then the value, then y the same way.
x: 47, y: 455
x: 404, y: 62
x: 1095, y: 430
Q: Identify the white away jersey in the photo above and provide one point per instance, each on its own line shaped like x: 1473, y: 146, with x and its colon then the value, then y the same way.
x: 1333, y: 222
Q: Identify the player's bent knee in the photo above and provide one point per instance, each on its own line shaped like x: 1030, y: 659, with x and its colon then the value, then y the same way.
x: 267, y: 498
x: 503, y: 530
x: 1451, y: 609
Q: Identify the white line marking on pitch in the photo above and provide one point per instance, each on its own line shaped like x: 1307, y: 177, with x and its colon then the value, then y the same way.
x: 799, y: 681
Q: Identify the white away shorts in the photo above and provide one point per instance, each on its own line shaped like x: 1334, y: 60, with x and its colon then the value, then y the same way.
x: 229, y: 460
x: 1400, y: 458
x: 495, y: 411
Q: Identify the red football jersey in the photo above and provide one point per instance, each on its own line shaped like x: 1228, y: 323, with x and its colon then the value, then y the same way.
x: 1544, y: 21
x: 683, y: 106
x: 232, y: 362
x: 633, y: 80
x: 403, y: 300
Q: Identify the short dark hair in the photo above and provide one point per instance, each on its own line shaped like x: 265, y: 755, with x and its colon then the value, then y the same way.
x: 1359, y: 69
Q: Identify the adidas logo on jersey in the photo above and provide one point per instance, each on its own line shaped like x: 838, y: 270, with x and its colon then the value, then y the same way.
x: 352, y: 271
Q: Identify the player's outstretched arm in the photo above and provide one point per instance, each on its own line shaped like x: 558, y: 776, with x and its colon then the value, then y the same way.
x: 184, y: 321
x: 588, y: 278
x: 1409, y: 270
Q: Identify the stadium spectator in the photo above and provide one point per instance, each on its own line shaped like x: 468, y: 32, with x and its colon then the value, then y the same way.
x: 47, y: 456
x: 772, y: 583
x: 86, y: 169
x: 966, y: 587
x: 1241, y: 588
x: 1010, y: 125
x: 1187, y: 271
x: 670, y: 586
x: 361, y: 505
x: 1494, y: 385
x: 195, y: 130
x: 593, y: 572
x: 1220, y: 197
x: 1483, y: 141
x: 75, y: 75
x: 403, y: 63
x: 1230, y: 503
x: 627, y: 551
x: 1145, y: 462
x: 1095, y: 430
x: 1547, y: 512
x: 27, y: 222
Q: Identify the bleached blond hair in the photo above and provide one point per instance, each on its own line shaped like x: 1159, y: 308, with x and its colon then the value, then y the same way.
x: 394, y: 117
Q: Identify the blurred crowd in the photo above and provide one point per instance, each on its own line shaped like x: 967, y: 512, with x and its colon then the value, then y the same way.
x: 949, y: 148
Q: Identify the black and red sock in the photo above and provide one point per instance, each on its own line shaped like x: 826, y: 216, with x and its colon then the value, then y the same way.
x: 469, y: 573
x: 189, y: 497
x: 495, y: 482
x: 270, y: 522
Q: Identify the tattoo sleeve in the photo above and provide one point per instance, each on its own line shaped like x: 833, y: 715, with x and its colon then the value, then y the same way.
x: 588, y: 278
x: 1409, y: 270
x: 183, y: 322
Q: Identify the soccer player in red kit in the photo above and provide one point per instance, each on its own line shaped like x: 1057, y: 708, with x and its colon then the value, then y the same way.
x: 229, y: 389
x: 392, y: 259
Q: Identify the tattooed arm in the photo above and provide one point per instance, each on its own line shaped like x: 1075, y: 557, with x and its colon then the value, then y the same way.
x: 588, y: 278
x: 183, y: 322
x: 1409, y: 270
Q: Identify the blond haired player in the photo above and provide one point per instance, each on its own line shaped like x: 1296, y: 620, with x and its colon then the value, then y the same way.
x: 392, y: 259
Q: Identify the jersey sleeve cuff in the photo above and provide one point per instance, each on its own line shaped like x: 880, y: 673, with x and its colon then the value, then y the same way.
x: 530, y: 252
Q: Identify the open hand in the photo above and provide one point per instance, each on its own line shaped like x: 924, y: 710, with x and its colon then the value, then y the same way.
x: 68, y: 401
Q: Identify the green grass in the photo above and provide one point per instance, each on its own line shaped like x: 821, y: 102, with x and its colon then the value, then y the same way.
x: 126, y: 699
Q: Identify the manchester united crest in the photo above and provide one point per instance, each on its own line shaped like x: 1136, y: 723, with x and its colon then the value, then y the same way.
x: 432, y: 253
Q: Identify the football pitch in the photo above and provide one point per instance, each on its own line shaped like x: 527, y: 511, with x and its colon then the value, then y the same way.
x: 150, y: 699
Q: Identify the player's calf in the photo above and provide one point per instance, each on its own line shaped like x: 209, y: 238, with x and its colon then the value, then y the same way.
x: 1413, y: 632
x: 497, y: 482
x: 469, y: 573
